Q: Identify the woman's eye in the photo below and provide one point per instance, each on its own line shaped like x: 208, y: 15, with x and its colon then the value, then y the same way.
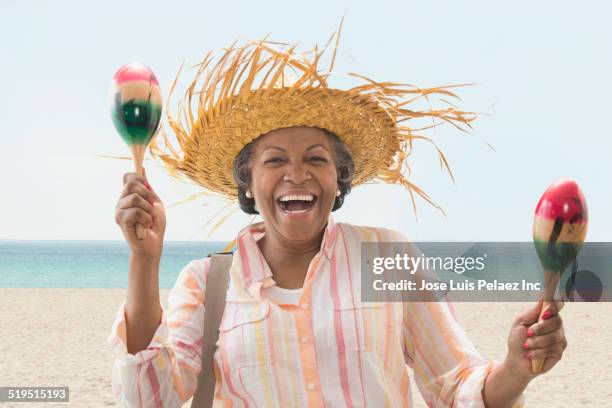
x: 273, y: 160
x: 318, y: 158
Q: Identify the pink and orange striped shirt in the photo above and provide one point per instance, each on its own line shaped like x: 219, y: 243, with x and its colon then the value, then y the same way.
x: 327, y: 349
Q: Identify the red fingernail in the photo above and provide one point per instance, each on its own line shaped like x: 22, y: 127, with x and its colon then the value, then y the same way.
x: 525, y: 346
x: 530, y: 333
x: 546, y: 315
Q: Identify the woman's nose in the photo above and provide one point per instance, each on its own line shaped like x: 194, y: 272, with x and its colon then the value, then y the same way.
x: 297, y: 173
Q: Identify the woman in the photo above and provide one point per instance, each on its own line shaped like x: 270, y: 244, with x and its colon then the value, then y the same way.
x: 295, y: 331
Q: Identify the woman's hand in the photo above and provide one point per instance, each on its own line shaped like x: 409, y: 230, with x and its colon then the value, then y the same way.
x: 530, y: 340
x: 139, y: 204
x: 527, y: 340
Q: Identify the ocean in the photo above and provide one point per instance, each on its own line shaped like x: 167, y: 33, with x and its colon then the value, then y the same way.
x: 104, y: 264
x: 87, y: 264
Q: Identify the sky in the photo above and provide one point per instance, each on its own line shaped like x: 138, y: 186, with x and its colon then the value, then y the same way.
x: 541, y: 69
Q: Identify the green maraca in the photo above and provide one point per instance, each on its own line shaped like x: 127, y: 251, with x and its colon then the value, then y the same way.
x: 136, y: 106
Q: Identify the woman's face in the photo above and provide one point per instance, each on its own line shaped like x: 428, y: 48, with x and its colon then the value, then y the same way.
x: 294, y: 181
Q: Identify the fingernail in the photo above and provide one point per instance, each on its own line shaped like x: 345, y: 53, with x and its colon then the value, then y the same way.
x: 530, y: 333
x: 525, y: 346
x: 529, y: 355
x: 147, y: 185
x: 546, y: 315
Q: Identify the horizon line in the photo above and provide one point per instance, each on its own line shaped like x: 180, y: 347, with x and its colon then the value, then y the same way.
x: 92, y: 240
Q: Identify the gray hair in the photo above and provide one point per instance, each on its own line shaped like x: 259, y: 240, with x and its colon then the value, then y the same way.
x: 345, y: 167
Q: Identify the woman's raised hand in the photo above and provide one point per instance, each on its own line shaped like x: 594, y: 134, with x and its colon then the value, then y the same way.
x: 530, y: 339
x: 139, y: 204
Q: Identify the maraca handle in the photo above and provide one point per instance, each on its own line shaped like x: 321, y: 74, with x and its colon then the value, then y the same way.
x: 141, y: 231
x: 536, y: 365
x: 551, y: 282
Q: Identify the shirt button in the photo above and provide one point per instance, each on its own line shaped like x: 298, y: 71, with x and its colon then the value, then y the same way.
x: 304, y: 339
x: 311, y: 386
x: 304, y: 306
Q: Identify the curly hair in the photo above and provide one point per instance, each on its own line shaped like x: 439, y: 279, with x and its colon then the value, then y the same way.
x: 345, y: 167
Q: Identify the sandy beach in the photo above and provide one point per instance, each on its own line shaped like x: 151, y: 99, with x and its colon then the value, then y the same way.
x: 57, y: 337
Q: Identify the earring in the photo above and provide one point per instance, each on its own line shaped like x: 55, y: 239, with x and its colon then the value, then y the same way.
x: 248, y: 194
x: 338, y: 193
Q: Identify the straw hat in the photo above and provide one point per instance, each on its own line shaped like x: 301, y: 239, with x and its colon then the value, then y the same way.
x: 261, y: 86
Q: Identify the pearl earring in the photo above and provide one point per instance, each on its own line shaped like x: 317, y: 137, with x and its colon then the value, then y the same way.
x: 248, y: 194
x: 338, y: 193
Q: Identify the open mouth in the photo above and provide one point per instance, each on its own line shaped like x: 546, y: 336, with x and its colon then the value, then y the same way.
x: 297, y: 204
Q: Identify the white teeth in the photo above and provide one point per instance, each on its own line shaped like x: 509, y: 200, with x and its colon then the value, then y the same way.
x: 296, y: 211
x: 301, y: 197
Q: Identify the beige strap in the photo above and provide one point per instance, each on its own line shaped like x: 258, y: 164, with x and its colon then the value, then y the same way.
x: 214, y: 299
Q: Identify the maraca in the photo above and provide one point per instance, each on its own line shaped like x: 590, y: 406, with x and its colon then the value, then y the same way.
x: 136, y: 106
x: 559, y: 228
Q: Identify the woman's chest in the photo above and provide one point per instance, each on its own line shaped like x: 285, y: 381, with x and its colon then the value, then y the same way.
x: 312, y: 332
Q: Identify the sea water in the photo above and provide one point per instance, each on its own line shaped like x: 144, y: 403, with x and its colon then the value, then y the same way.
x: 104, y: 264
x: 87, y: 264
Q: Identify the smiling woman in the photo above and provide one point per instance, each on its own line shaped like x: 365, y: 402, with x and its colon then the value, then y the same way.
x: 345, y: 167
x: 295, y: 330
x: 294, y: 183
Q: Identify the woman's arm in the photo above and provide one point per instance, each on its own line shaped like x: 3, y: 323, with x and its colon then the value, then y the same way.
x: 164, y: 372
x: 503, y: 387
x: 528, y: 339
x: 142, y: 306
x: 140, y: 205
x: 448, y: 369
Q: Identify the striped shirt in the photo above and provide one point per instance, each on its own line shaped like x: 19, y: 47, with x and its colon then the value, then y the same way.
x: 327, y: 349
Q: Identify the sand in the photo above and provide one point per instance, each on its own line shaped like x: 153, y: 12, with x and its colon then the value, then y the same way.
x: 57, y: 337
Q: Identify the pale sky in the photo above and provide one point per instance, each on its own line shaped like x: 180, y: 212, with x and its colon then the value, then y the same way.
x: 542, y: 68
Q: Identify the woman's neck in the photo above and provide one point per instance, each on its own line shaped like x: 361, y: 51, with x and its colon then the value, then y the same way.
x: 288, y: 260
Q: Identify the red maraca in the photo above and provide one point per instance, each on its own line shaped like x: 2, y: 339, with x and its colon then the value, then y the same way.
x: 136, y: 106
x: 559, y: 228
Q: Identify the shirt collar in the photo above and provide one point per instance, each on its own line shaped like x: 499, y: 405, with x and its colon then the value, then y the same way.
x: 254, y: 270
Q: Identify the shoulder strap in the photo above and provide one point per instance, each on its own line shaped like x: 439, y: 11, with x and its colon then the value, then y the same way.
x: 214, y: 298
